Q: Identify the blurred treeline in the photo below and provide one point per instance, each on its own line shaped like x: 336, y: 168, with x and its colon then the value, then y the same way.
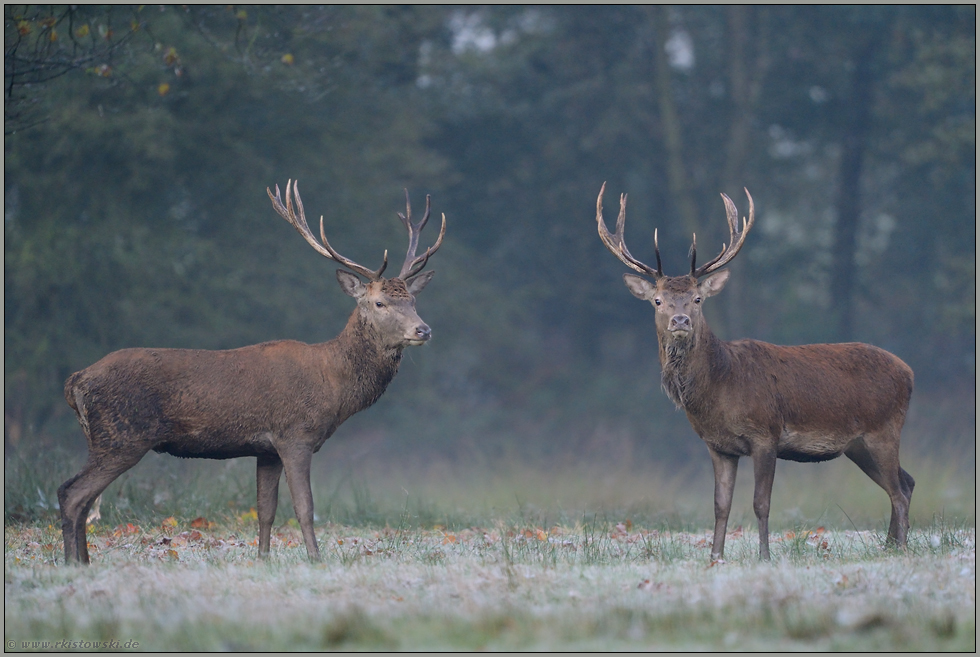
x: 139, y: 142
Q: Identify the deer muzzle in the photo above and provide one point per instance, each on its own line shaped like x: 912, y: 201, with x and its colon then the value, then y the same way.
x: 680, y: 325
x: 420, y: 335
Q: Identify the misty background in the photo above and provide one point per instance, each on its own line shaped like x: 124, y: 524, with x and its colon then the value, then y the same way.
x: 139, y: 142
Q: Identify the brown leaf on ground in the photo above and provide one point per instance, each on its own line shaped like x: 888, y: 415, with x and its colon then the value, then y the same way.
x: 649, y: 585
x: 126, y: 530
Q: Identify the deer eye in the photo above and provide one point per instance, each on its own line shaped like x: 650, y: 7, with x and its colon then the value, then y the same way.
x: 697, y: 299
x: 379, y: 304
x: 657, y: 301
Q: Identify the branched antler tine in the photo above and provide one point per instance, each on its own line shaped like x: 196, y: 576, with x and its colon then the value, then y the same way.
x: 736, y: 236
x: 621, y: 219
x: 612, y: 242
x: 412, y: 264
x: 417, y: 265
x: 656, y: 249
x: 330, y: 251
x: 621, y: 227
x: 731, y: 214
x: 299, y: 201
x: 350, y: 264
x: 409, y: 270
x: 428, y: 209
x: 747, y: 224
x: 413, y: 244
x: 694, y: 252
x: 277, y: 204
x: 413, y: 233
x: 615, y: 243
x: 299, y: 223
x: 288, y: 212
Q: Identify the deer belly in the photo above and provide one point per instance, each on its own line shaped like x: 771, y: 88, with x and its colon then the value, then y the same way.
x: 216, y: 446
x: 810, y: 446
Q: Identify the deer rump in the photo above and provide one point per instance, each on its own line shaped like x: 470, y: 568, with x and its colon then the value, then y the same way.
x: 815, y: 400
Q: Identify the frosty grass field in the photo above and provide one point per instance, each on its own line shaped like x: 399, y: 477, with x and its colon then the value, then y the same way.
x: 519, y: 561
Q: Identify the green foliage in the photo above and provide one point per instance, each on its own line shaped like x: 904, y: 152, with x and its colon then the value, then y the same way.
x: 136, y: 215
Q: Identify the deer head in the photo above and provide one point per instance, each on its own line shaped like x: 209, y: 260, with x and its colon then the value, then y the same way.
x: 387, y: 305
x: 676, y: 299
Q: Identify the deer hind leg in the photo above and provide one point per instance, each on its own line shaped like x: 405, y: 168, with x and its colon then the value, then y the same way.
x: 877, y: 456
x: 267, y: 474
x: 75, y: 497
x: 725, y: 469
x: 908, y: 483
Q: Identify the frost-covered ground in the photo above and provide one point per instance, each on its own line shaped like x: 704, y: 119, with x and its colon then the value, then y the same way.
x: 599, y: 586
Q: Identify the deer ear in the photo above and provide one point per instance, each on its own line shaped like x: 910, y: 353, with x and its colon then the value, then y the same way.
x: 714, y: 283
x: 419, y: 281
x: 640, y: 287
x: 350, y: 284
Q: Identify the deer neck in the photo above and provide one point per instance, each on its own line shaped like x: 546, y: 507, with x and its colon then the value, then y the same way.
x: 689, y: 367
x: 368, y: 364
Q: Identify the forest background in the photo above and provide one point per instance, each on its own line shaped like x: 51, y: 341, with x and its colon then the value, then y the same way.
x: 139, y: 142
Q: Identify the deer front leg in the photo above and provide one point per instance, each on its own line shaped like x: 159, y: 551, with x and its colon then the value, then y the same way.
x: 725, y: 467
x: 297, y: 465
x: 267, y: 473
x: 764, y: 462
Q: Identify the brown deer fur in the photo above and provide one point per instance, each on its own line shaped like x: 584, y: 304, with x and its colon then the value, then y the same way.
x: 749, y: 398
x: 276, y: 401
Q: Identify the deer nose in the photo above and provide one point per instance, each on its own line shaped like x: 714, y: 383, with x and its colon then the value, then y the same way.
x: 423, y: 332
x: 679, y: 323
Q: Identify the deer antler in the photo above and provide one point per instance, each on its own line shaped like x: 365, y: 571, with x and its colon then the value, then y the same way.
x: 736, y: 239
x: 615, y: 242
x: 299, y: 223
x: 412, y: 264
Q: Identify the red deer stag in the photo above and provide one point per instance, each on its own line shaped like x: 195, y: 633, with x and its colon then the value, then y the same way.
x: 277, y: 401
x: 749, y: 398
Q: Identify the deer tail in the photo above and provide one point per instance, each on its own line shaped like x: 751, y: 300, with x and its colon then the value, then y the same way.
x: 76, y: 399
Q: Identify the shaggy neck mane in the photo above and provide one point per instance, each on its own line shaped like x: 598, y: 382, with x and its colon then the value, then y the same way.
x: 371, y: 364
x: 688, y: 366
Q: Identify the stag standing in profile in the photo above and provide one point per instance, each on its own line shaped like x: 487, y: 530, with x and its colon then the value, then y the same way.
x: 749, y: 398
x: 276, y: 401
